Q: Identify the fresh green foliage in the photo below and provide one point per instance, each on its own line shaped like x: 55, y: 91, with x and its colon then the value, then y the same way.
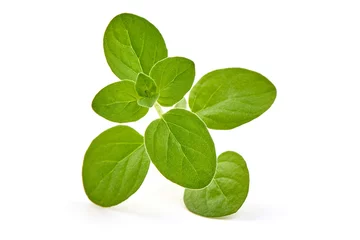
x: 115, y: 165
x: 147, y: 90
x: 178, y: 143
x: 117, y: 102
x: 132, y: 45
x: 174, y: 77
x: 181, y: 148
x: 228, y: 98
x: 226, y: 192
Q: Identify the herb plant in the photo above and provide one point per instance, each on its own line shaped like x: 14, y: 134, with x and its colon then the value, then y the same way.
x: 178, y: 143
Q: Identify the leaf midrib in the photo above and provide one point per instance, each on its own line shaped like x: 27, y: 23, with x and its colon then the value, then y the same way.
x: 130, y: 42
x: 182, y: 150
x: 205, y: 108
x: 112, y: 170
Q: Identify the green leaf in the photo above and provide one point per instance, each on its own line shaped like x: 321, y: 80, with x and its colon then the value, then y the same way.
x: 132, y: 45
x: 117, y: 102
x: 227, y: 191
x: 115, y: 166
x: 147, y: 90
x: 174, y: 77
x: 228, y: 98
x: 181, y: 148
x: 181, y: 104
x: 145, y: 86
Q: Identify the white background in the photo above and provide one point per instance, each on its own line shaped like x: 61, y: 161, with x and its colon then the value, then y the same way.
x: 303, y: 154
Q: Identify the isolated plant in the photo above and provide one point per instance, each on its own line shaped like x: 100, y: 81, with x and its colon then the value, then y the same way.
x: 178, y: 143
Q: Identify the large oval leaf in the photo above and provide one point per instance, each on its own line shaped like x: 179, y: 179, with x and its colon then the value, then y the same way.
x: 181, y: 148
x: 226, y: 193
x: 132, y: 45
x: 115, y: 166
x: 228, y: 98
x: 117, y: 102
x: 174, y: 77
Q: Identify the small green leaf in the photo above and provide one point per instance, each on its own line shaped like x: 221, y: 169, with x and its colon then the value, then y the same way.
x: 181, y: 148
x: 174, y: 77
x: 117, y: 102
x: 115, y: 165
x: 145, y: 86
x: 181, y: 104
x: 147, y: 90
x: 228, y: 98
x: 227, y: 191
x: 132, y: 45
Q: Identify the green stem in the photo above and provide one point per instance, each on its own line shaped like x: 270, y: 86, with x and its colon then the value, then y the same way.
x: 158, y: 109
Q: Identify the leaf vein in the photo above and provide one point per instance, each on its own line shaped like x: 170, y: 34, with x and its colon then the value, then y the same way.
x: 113, y: 169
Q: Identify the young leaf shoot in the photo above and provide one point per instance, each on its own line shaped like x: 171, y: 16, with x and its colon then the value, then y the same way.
x: 147, y: 90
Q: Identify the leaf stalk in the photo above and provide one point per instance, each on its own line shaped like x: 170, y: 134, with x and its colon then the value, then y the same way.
x: 158, y: 109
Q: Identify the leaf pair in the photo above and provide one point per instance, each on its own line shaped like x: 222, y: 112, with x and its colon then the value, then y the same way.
x: 169, y: 80
x: 178, y: 143
x: 136, y: 51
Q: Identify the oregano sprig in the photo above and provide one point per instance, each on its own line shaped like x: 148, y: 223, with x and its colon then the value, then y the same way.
x: 178, y: 143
